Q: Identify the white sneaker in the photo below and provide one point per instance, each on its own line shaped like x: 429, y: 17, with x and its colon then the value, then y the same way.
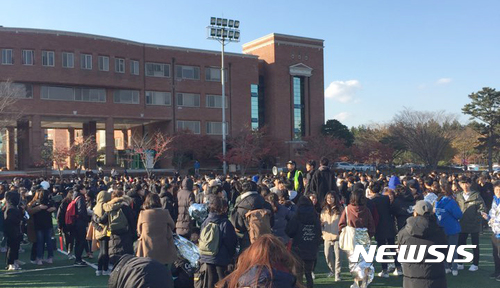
x: 33, y: 262
x: 454, y: 272
x: 398, y: 272
x: 383, y: 274
x: 71, y: 257
x: 38, y: 262
x: 48, y: 261
x: 98, y: 273
x: 106, y: 272
x: 19, y: 262
x: 473, y: 268
x: 447, y: 271
x: 460, y: 267
x: 11, y: 267
x: 313, y: 276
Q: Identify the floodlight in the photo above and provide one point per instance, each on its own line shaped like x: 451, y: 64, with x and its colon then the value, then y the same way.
x: 225, y: 33
x: 219, y: 32
x: 219, y: 21
x: 213, y: 32
x: 237, y: 35
x: 224, y: 22
x: 236, y: 24
x: 213, y: 21
x: 231, y: 33
x: 231, y: 23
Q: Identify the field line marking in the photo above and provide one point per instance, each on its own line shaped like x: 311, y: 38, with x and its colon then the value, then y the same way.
x: 86, y: 262
x: 36, y: 270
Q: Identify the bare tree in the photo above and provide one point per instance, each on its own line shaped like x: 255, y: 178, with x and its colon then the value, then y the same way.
x: 151, y: 149
x: 426, y: 134
x: 10, y: 93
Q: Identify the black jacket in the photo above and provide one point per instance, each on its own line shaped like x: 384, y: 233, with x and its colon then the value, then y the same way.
x: 423, y: 230
x: 169, y: 202
x: 385, y: 228
x: 185, y: 198
x: 323, y: 182
x: 305, y: 230
x: 82, y: 217
x: 137, y: 201
x: 402, y: 209
x: 247, y: 201
x: 121, y: 244
x: 13, y: 216
x: 138, y: 272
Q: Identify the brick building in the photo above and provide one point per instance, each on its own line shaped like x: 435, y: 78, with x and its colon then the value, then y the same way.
x: 80, y: 84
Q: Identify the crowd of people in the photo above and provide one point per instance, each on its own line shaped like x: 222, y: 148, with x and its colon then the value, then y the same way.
x: 260, y: 231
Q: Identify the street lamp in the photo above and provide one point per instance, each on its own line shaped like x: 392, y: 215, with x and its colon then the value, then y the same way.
x: 225, y: 31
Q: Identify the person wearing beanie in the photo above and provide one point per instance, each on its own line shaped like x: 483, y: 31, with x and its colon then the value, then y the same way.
x: 423, y: 229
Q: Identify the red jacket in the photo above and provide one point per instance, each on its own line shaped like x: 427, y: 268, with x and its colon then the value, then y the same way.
x: 359, y: 217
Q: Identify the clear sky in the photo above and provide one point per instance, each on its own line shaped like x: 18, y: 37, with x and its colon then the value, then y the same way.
x: 380, y: 56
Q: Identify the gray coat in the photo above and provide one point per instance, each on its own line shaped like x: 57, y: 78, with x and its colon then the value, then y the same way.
x: 185, y: 198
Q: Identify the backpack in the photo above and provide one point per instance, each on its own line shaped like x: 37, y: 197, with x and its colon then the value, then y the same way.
x: 183, y: 273
x: 70, y: 216
x: 118, y: 223
x: 209, y: 239
x: 259, y: 223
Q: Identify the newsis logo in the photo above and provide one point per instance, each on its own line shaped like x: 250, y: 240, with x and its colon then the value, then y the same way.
x: 414, y: 253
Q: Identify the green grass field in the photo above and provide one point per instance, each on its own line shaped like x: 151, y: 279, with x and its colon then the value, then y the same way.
x: 60, y: 275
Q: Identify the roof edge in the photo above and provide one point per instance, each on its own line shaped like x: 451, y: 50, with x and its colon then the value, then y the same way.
x: 261, y: 39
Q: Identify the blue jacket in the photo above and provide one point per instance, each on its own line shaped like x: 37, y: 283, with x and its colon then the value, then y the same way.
x: 227, y: 245
x: 279, y: 278
x: 448, y: 213
x: 281, y: 218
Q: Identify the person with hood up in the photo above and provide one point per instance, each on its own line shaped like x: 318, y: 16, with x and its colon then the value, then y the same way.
x: 423, y: 229
x: 154, y: 227
x: 101, y: 233
x: 324, y: 181
x: 13, y: 217
x: 217, y: 264
x: 185, y: 198
x: 448, y: 214
x: 266, y: 263
x: 402, y: 206
x: 473, y: 208
x: 281, y: 217
x: 248, y: 201
x: 168, y: 199
x: 305, y: 231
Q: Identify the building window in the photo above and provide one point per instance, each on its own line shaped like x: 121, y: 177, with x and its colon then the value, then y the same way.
x: 7, y: 58
x: 298, y: 108
x: 158, y: 98
x: 103, y: 63
x: 254, y: 91
x: 157, y: 70
x: 134, y: 67
x: 90, y: 95
x: 188, y: 72
x: 215, y: 128
x: 86, y: 61
x: 119, y: 65
x: 215, y: 101
x: 48, y: 58
x: 73, y: 94
x: 193, y: 126
x: 68, y: 60
x: 126, y: 96
x: 20, y: 90
x: 188, y: 100
x: 28, y: 57
x: 213, y: 74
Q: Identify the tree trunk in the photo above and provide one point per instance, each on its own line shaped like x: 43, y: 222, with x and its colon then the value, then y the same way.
x: 490, y: 151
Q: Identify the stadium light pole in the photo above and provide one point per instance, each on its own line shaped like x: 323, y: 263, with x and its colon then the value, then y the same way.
x: 225, y: 31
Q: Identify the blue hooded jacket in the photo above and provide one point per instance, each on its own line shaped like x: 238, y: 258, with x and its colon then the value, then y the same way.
x: 394, y: 182
x: 448, y: 214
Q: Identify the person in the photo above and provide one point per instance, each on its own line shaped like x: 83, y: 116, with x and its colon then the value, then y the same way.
x: 385, y: 231
x: 324, y: 181
x: 402, y: 205
x: 422, y: 229
x: 281, y: 217
x: 217, y: 264
x: 120, y: 242
x: 137, y: 193
x: 448, y: 214
x: 197, y: 168
x: 493, y: 218
x: 13, y: 216
x: 305, y: 231
x: 357, y: 215
x: 139, y: 272
x: 472, y: 206
x: 185, y: 198
x: 79, y: 229
x: 310, y: 171
x: 168, y: 199
x: 65, y: 230
x: 248, y: 201
x: 101, y: 231
x: 266, y: 263
x: 43, y: 225
x: 296, y: 178
x: 330, y: 216
x: 154, y: 227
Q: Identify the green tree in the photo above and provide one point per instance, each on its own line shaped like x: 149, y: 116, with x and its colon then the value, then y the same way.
x: 337, y: 130
x: 484, y: 107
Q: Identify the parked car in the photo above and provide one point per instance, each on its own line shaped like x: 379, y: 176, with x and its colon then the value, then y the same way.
x: 344, y: 166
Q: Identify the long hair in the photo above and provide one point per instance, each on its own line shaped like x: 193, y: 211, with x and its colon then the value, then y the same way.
x: 335, y: 208
x: 266, y: 252
x: 40, y: 196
